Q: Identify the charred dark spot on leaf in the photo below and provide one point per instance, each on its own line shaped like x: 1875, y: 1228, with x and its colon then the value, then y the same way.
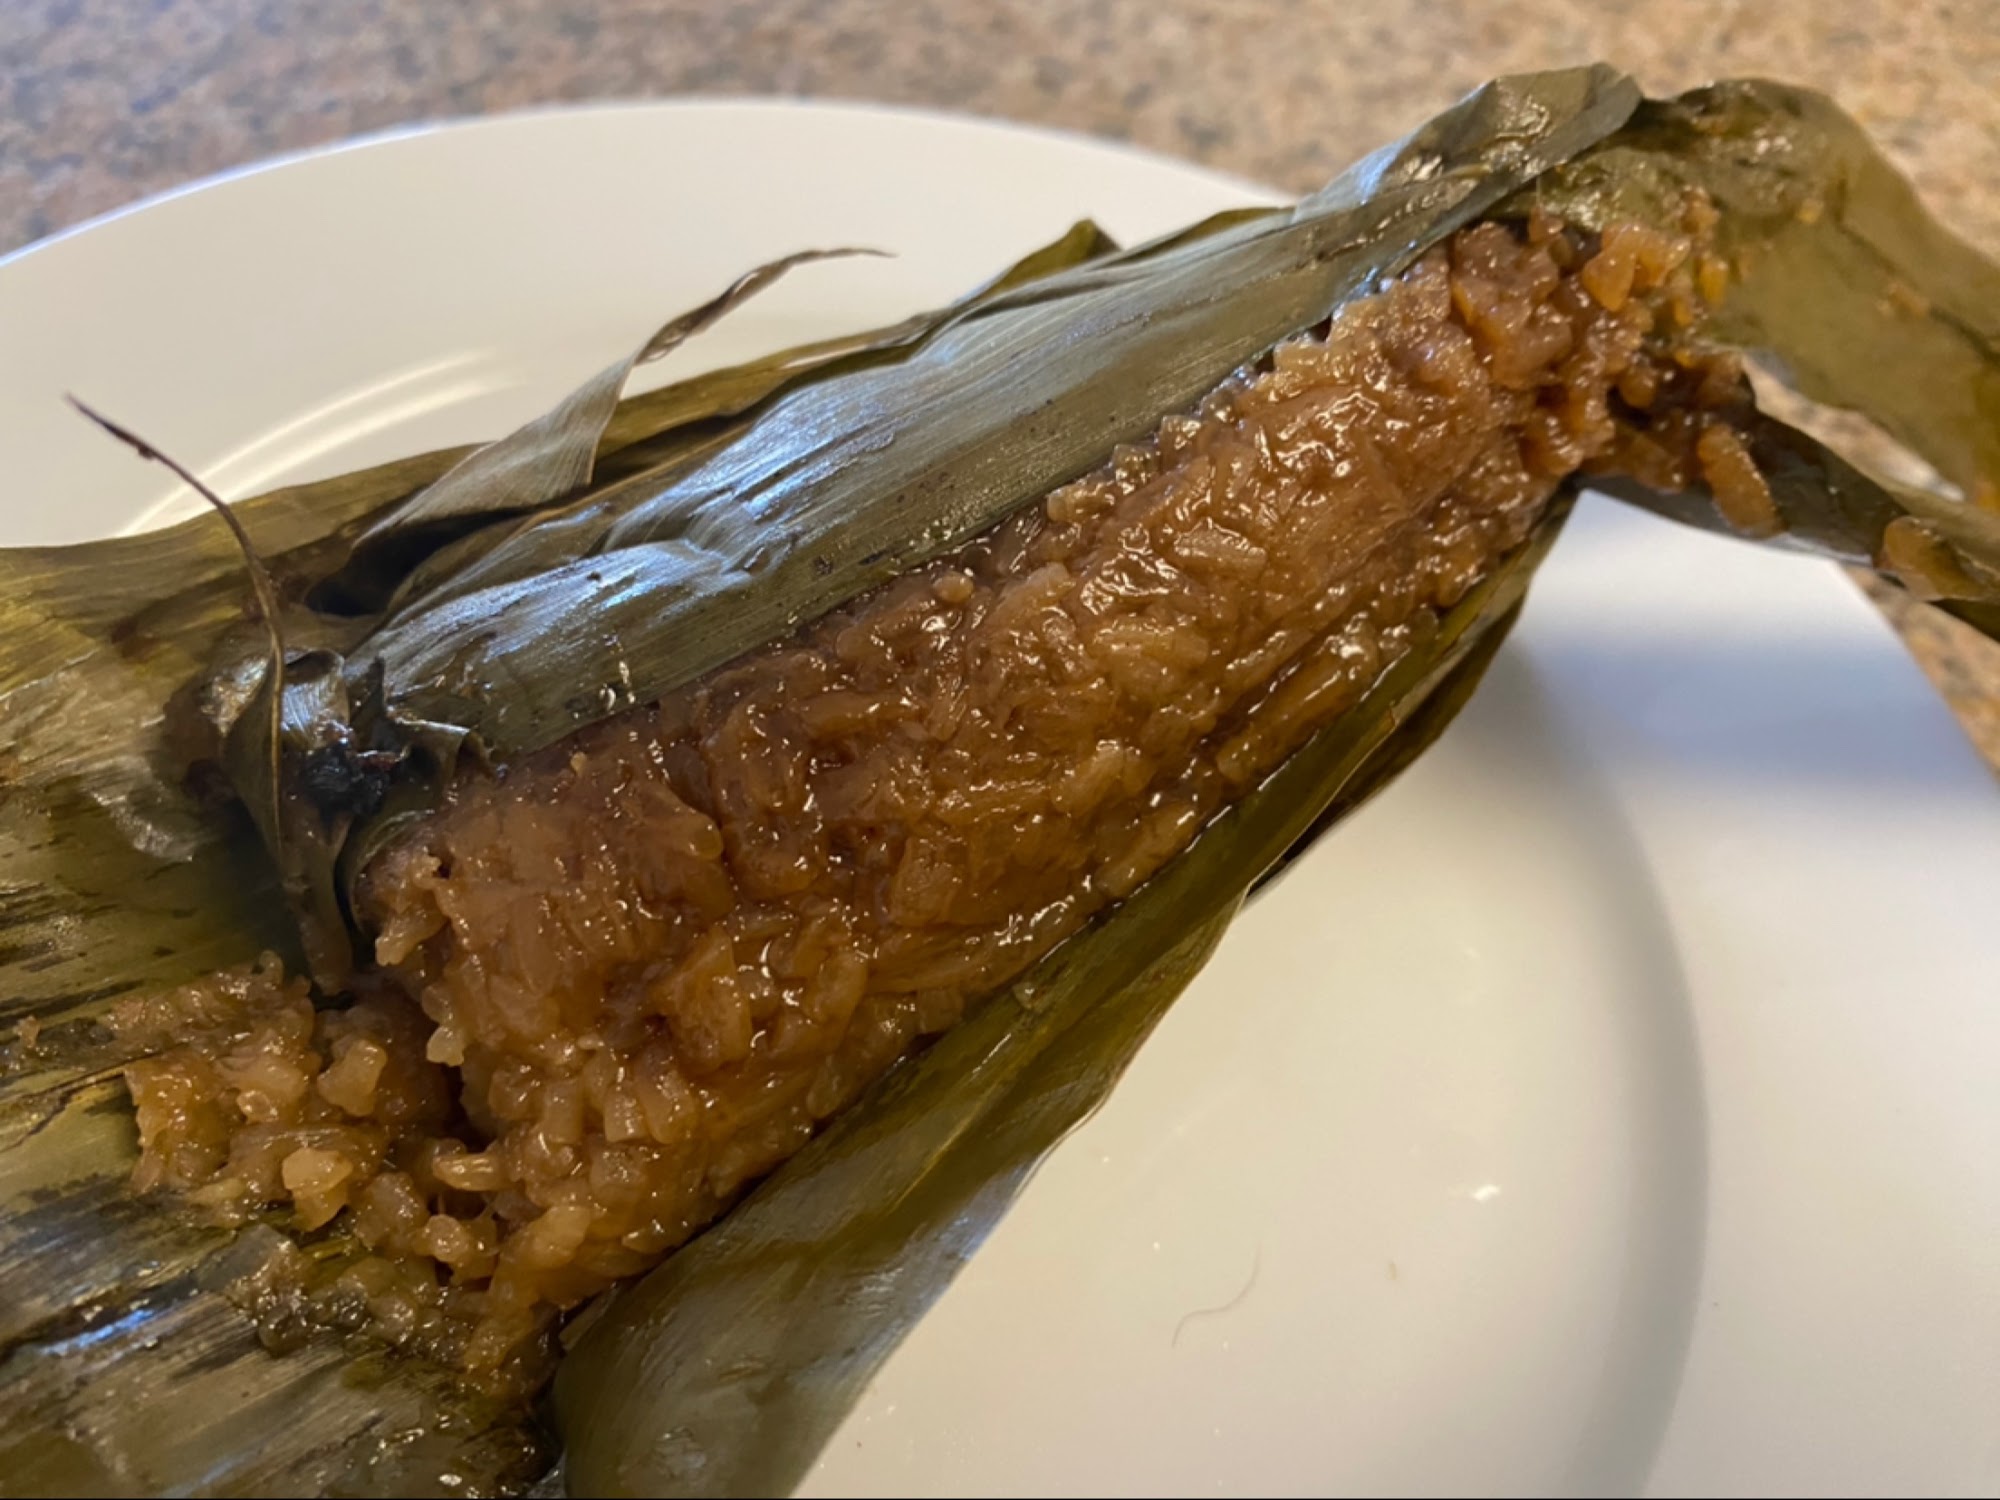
x: 207, y: 784
x: 49, y: 1009
x: 131, y: 641
x: 339, y: 779
x: 15, y: 953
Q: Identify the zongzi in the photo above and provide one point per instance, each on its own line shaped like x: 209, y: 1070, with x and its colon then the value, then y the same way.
x: 621, y: 977
x: 825, y: 770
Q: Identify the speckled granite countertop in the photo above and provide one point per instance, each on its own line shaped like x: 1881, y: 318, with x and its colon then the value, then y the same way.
x: 110, y: 100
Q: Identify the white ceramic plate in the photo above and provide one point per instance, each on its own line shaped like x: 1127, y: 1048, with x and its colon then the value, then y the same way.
x: 1610, y: 1107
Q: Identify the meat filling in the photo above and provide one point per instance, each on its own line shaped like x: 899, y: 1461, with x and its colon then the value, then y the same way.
x: 618, y: 981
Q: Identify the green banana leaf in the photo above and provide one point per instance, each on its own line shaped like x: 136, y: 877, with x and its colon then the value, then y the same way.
x: 590, y: 561
x: 812, y: 505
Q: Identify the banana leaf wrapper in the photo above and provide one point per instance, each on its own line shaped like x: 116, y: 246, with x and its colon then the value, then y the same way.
x: 487, y: 602
x: 128, y: 1362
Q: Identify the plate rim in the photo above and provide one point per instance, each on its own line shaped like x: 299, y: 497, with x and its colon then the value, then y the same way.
x: 467, y: 124
x: 462, y: 127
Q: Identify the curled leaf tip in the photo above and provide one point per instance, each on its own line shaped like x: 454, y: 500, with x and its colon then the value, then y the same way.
x: 261, y: 586
x: 124, y: 435
x: 260, y: 576
x: 739, y: 291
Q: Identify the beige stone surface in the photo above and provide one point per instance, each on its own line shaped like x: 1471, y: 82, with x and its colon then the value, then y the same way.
x: 106, y: 101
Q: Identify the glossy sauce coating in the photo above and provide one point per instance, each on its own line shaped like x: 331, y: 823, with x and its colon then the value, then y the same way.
x: 643, y: 966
